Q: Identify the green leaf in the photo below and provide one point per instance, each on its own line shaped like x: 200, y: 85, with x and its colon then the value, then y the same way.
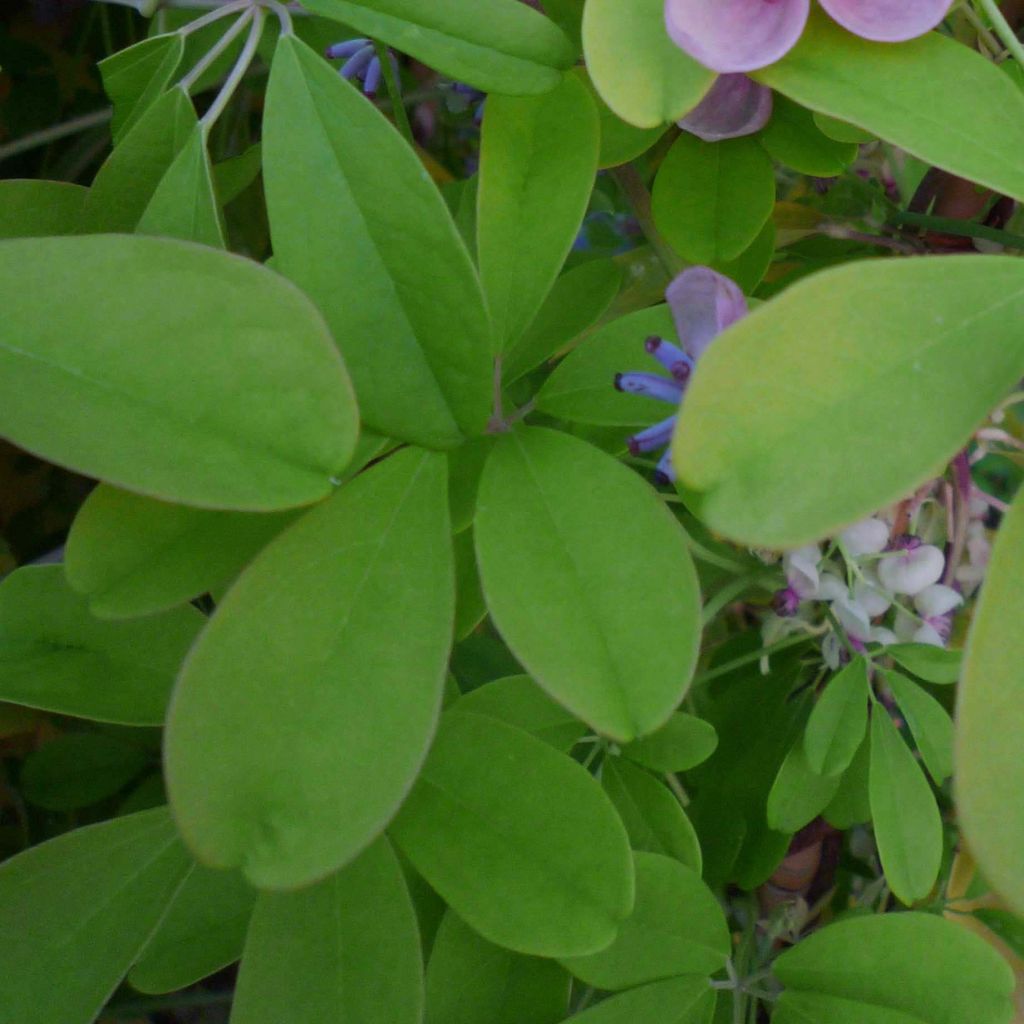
x: 710, y: 200
x: 494, y: 825
x: 990, y: 720
x: 519, y: 701
x: 938, y: 665
x: 469, y: 599
x: 203, y: 931
x: 503, y: 47
x: 621, y: 141
x: 799, y: 794
x: 767, y: 465
x: 639, y: 72
x: 75, y: 911
x: 929, y: 722
x: 306, y: 709
x: 683, y: 742
x: 677, y: 927
x: 184, y: 205
x: 841, y: 131
x: 394, y: 270
x: 30, y: 208
x: 685, y: 1000
x: 793, y: 138
x: 852, y: 803
x: 465, y: 465
x: 538, y: 161
x: 582, y: 388
x: 654, y: 819
x: 472, y: 981
x: 56, y: 656
x: 92, y: 377
x: 578, y: 300
x: 839, y: 720
x: 135, y: 78
x: 908, y: 828
x: 125, y: 184
x: 917, y: 965
x: 730, y: 789
x: 131, y: 555
x: 347, y: 949
x: 975, y: 130
x: 233, y: 176
x: 79, y: 769
x: 749, y: 268
x: 574, y: 551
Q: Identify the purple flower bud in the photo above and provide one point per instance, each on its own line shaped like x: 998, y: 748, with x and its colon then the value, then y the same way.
x: 785, y: 602
x: 356, y: 66
x: 347, y: 49
x: 371, y: 83
x: 665, y: 472
x: 904, y: 542
x: 650, y: 385
x: 653, y: 437
x: 673, y: 358
x: 735, y: 106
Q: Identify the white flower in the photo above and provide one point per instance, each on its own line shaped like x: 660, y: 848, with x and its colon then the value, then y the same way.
x: 868, y: 537
x: 801, y: 567
x: 871, y: 597
x: 937, y: 600
x: 926, y: 633
x: 883, y: 636
x: 912, y: 571
x: 853, y: 618
x: 831, y: 588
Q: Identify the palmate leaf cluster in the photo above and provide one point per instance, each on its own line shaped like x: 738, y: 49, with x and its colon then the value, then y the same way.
x: 430, y: 706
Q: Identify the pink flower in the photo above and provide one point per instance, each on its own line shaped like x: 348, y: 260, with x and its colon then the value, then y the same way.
x: 744, y: 35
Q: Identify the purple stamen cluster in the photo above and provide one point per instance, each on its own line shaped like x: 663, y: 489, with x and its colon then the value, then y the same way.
x: 361, y: 63
x: 662, y: 389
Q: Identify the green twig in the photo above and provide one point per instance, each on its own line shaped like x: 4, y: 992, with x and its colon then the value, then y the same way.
x: 1003, y: 29
x: 748, y: 659
x: 960, y: 228
x: 59, y: 131
x: 639, y: 199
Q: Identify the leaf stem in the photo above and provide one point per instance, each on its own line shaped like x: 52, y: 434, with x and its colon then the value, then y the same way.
x: 213, y: 16
x: 215, y: 51
x: 258, y: 16
x: 394, y: 92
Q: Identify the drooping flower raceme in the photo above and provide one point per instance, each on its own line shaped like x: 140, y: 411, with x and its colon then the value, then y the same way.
x: 361, y: 62
x: 703, y: 304
x: 744, y: 35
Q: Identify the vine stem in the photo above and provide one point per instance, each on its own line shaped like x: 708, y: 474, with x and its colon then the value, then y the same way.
x: 257, y: 17
x: 748, y: 659
x: 1004, y: 30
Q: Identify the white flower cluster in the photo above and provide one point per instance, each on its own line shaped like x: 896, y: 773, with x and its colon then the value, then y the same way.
x: 880, y: 590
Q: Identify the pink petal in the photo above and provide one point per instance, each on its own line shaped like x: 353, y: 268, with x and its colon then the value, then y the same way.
x: 736, y: 35
x: 703, y: 304
x: 735, y: 106
x: 887, y: 21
